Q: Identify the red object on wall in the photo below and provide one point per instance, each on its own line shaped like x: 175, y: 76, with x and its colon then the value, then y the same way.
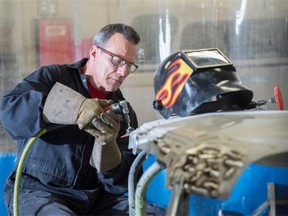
x: 82, y: 49
x: 55, y: 41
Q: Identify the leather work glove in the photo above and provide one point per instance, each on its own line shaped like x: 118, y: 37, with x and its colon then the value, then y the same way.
x: 91, y: 109
x: 106, y: 154
x: 66, y: 106
x: 105, y: 128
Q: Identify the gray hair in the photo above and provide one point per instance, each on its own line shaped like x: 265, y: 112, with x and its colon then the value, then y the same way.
x: 107, y: 31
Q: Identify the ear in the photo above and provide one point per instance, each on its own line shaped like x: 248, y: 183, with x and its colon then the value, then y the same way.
x: 93, y: 52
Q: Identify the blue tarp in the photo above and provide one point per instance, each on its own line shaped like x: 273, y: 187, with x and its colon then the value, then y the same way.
x: 7, y: 162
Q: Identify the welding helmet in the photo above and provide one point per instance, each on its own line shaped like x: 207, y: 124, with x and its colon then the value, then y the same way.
x: 198, y: 81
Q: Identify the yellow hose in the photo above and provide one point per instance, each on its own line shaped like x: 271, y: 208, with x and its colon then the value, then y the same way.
x: 19, y: 170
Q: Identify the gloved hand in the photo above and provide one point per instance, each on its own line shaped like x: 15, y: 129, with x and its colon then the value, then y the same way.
x: 91, y: 109
x: 66, y: 106
x: 106, y: 154
x: 105, y: 129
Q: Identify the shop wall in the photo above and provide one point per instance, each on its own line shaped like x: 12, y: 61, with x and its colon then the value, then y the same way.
x: 253, y: 34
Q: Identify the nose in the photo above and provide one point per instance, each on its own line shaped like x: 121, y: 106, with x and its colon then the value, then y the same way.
x: 123, y: 70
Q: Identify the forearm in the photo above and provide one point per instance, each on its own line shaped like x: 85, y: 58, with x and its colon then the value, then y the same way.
x: 62, y: 105
x: 106, y: 156
x: 116, y: 180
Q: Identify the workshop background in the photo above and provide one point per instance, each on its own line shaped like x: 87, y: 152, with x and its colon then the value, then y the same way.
x: 252, y: 34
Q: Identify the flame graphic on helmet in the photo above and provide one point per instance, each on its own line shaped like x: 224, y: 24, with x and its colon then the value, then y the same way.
x: 179, y: 72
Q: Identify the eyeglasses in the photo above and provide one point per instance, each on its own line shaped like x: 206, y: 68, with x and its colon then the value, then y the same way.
x: 118, y: 61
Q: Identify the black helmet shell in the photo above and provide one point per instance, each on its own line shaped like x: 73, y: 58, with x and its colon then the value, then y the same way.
x: 181, y: 88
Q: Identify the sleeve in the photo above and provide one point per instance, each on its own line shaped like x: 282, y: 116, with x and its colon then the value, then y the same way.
x: 22, y: 108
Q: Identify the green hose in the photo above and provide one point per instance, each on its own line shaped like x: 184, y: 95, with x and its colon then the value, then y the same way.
x: 19, y: 170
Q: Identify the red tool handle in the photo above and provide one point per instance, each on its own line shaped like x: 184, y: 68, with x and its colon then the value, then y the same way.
x: 278, y: 98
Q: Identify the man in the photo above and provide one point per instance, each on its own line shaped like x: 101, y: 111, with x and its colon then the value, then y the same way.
x: 80, y: 168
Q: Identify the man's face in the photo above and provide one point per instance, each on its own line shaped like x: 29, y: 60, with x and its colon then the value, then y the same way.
x: 103, y: 74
